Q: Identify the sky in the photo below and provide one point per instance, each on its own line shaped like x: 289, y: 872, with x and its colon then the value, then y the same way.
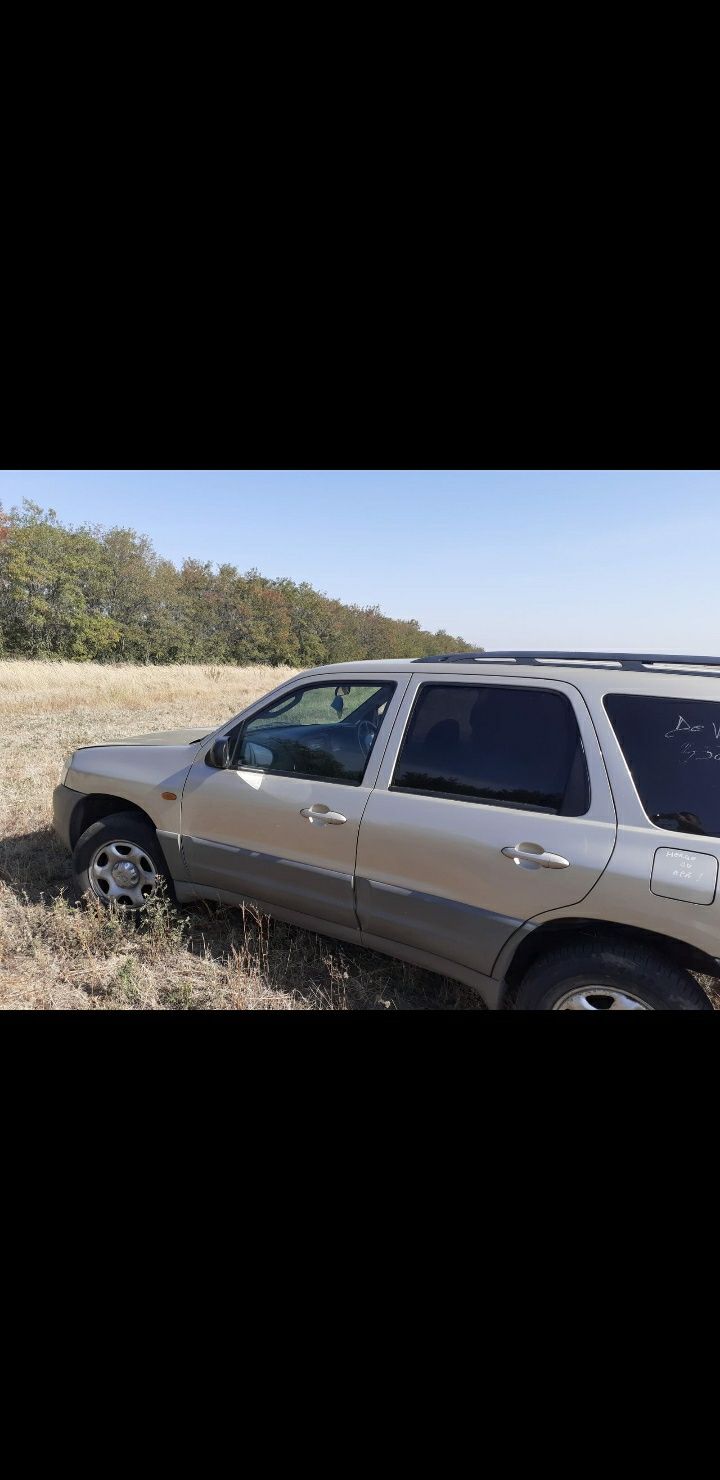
x: 622, y: 560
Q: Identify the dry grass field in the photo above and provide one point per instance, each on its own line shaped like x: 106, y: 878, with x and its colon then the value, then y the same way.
x: 54, y: 954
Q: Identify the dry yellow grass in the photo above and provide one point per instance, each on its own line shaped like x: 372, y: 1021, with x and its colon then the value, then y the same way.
x: 54, y: 955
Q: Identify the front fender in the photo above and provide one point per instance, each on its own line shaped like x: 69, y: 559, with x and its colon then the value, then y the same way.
x: 151, y: 777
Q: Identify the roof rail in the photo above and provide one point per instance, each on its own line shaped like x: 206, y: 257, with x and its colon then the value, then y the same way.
x: 634, y: 662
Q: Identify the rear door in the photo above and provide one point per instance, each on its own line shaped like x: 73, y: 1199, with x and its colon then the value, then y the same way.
x: 280, y: 824
x: 492, y: 805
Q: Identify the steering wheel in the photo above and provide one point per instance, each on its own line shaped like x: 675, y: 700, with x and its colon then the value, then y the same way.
x: 366, y: 732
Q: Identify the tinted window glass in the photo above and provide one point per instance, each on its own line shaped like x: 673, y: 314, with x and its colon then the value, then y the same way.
x: 672, y: 748
x: 515, y: 746
x: 326, y: 730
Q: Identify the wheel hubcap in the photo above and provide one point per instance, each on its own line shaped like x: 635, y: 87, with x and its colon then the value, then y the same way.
x: 600, y: 999
x: 123, y: 872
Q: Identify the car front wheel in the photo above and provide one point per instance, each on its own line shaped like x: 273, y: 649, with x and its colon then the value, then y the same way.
x: 118, y: 860
x: 604, y: 977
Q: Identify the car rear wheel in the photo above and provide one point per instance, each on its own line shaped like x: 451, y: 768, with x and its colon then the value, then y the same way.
x: 118, y: 860
x: 604, y: 977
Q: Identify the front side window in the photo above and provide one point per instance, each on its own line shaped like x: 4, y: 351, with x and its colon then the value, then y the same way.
x: 672, y: 748
x: 514, y: 747
x: 326, y: 730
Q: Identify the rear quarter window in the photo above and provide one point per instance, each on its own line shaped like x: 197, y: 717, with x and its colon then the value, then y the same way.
x: 672, y: 748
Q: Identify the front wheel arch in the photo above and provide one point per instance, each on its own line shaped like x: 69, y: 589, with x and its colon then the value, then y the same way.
x: 96, y: 805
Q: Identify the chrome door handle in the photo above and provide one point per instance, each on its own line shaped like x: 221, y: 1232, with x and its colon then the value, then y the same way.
x: 528, y: 855
x: 321, y: 814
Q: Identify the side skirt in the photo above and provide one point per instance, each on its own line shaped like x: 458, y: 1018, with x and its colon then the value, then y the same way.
x: 488, y: 987
x: 186, y: 893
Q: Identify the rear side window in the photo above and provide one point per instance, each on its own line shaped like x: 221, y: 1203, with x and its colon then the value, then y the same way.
x: 672, y: 748
x: 512, y: 747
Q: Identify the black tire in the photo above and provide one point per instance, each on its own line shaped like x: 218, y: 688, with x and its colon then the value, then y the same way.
x: 123, y: 828
x: 636, y: 971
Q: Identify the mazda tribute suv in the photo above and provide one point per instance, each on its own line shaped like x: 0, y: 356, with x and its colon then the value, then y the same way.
x: 542, y: 826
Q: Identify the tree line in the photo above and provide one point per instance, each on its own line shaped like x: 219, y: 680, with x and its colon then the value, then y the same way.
x: 89, y: 593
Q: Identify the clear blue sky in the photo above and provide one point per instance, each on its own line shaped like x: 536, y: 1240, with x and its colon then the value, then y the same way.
x: 581, y: 559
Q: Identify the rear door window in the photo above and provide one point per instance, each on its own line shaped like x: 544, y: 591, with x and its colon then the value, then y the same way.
x: 514, y: 747
x: 672, y: 748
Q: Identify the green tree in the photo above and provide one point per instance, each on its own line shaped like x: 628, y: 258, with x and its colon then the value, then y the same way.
x: 104, y: 594
x: 51, y: 582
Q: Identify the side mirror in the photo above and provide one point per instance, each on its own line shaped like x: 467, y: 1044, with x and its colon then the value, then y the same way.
x: 219, y: 754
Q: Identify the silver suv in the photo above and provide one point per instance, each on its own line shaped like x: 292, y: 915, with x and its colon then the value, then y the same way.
x: 542, y: 826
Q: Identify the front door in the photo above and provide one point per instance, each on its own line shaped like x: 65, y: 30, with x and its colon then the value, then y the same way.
x: 280, y: 824
x: 492, y: 807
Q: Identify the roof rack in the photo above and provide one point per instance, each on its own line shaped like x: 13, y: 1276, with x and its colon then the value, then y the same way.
x: 633, y: 662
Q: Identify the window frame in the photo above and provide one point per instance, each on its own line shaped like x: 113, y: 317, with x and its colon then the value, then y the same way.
x: 235, y: 734
x: 450, y: 796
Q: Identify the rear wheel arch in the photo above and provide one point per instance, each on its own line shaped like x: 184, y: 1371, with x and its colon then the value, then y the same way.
x: 555, y: 934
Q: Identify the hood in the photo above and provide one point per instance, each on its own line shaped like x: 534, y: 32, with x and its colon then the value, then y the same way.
x: 192, y: 736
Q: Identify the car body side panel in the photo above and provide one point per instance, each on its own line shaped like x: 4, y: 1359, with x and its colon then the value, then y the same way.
x: 488, y: 988
x: 245, y: 830
x: 332, y: 928
x: 449, y: 928
x: 171, y: 846
x: 431, y: 869
x: 257, y: 874
x: 622, y: 896
x: 138, y: 773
